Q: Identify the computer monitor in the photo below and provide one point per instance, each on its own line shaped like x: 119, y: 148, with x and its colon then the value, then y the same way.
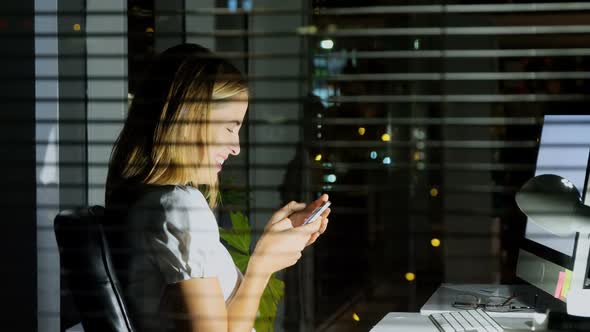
x: 547, y: 260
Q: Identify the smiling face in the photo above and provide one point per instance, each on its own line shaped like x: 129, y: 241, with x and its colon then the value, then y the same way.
x: 183, y: 122
x: 225, y: 121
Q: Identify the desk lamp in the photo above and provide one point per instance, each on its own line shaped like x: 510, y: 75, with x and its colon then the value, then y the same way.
x: 555, y: 204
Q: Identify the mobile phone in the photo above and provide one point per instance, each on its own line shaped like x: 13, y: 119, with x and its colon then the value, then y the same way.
x: 317, y: 212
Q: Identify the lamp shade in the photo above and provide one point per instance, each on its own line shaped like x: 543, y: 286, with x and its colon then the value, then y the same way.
x: 554, y: 203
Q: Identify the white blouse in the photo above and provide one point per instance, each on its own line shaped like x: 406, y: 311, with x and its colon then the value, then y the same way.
x: 174, y: 236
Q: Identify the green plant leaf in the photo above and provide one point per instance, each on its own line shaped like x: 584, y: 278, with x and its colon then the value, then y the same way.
x: 240, y: 260
x: 267, y: 311
x: 276, y: 288
x: 271, y: 296
x: 233, y: 240
x: 239, y: 236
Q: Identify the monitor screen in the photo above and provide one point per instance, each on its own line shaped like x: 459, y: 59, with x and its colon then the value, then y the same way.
x: 564, y: 149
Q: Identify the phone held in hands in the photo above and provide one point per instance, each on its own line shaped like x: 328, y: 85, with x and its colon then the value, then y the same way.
x: 317, y: 212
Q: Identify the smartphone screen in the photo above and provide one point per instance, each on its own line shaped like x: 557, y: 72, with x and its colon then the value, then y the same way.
x: 317, y: 212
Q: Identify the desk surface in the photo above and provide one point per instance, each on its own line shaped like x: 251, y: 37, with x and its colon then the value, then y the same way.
x: 415, y: 322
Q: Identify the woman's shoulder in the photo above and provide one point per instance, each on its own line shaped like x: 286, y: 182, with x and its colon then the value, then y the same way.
x: 182, y: 206
x: 171, y: 196
x: 184, y: 196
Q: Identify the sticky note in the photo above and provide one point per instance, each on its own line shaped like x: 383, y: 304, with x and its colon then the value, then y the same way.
x: 560, y: 280
x: 566, y: 283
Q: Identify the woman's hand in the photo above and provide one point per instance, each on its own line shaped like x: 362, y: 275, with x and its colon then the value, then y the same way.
x: 298, y: 212
x: 285, y: 212
x: 281, y: 244
x: 301, y: 213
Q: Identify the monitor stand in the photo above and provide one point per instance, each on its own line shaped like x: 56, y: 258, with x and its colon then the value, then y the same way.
x: 578, y: 296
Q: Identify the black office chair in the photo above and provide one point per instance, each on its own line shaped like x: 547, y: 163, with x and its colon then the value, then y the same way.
x: 86, y: 265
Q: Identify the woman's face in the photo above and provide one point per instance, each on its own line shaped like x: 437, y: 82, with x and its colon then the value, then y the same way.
x: 226, y: 119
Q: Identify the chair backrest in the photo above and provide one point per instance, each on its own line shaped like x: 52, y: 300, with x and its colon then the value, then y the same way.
x: 86, y: 264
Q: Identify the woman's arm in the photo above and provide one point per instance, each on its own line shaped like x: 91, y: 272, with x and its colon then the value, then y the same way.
x: 197, y: 304
x: 242, y: 308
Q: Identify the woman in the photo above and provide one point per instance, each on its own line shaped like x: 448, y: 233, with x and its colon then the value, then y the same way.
x: 182, y: 125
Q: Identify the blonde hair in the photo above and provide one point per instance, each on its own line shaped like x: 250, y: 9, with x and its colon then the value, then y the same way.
x: 164, y: 140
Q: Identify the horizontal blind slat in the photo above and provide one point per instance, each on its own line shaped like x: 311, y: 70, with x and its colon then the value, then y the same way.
x: 344, y: 11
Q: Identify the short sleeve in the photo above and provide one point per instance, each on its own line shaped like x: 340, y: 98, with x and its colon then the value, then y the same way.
x: 182, y: 236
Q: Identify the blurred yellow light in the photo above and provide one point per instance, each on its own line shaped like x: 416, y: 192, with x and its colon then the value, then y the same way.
x: 362, y: 131
x: 356, y: 317
x: 149, y: 29
x: 76, y: 27
x: 307, y: 30
x: 410, y: 276
x: 418, y: 155
x: 433, y: 192
x: 318, y: 157
x: 435, y: 242
x: 385, y: 137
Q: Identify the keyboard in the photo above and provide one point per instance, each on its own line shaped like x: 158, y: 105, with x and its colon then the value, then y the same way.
x: 476, y: 320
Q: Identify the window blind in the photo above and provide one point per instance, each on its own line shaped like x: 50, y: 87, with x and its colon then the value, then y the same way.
x: 420, y: 119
